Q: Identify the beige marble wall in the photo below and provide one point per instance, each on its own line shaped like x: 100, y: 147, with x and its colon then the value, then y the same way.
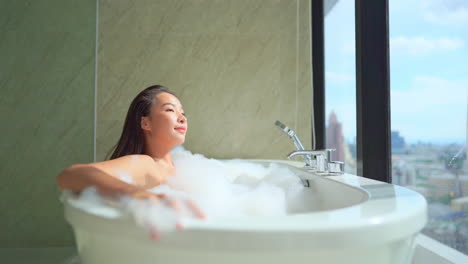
x: 237, y: 66
x: 47, y: 63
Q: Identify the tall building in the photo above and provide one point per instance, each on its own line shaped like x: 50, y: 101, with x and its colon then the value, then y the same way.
x: 335, y: 137
x: 398, y: 142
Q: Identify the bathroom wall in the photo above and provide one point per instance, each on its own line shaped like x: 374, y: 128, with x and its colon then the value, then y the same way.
x: 47, y: 51
x: 237, y: 66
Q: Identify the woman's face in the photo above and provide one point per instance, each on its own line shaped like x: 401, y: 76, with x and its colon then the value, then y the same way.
x: 166, y: 121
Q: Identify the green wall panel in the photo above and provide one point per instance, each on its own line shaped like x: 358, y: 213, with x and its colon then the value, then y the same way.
x: 47, y: 65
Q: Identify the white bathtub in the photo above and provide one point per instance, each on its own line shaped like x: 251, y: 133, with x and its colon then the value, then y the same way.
x: 350, y: 220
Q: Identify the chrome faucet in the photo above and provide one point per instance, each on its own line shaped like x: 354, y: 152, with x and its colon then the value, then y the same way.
x: 324, y: 164
x: 317, y: 161
x: 295, y: 139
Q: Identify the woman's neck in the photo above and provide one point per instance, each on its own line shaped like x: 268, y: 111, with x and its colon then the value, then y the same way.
x: 166, y: 158
x: 160, y: 153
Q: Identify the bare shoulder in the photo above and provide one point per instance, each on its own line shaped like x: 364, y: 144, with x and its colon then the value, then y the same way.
x: 126, y: 161
x: 134, y: 166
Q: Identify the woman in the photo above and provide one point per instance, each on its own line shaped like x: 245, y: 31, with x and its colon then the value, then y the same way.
x: 155, y: 123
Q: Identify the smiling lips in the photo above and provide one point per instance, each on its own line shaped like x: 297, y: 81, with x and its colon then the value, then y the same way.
x: 181, y: 129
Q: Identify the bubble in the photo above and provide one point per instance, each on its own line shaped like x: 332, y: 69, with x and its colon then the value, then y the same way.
x: 229, y: 188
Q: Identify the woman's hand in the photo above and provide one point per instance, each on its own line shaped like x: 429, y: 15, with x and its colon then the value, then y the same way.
x: 177, y: 205
x: 146, y: 195
x: 173, y: 203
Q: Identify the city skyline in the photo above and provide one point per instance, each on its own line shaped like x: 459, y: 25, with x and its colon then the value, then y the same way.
x: 352, y: 140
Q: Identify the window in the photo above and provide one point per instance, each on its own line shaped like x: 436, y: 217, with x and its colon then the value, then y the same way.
x: 429, y: 80
x: 340, y: 82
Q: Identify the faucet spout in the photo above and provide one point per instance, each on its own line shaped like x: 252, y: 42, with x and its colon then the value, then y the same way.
x: 294, y: 138
x: 305, y: 152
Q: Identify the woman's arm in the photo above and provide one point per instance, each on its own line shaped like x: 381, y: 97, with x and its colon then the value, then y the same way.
x: 105, y: 175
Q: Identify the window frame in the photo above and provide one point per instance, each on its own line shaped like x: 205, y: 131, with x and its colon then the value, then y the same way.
x: 372, y: 86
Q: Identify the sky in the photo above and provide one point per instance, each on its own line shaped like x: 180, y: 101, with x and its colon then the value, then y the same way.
x: 428, y: 69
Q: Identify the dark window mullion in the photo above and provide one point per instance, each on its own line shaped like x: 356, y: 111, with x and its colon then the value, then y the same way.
x: 318, y: 74
x: 373, y: 90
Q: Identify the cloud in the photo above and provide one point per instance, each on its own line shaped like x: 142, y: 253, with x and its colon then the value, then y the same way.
x: 423, y: 45
x: 415, y: 45
x: 431, y: 109
x: 452, y: 12
x: 427, y: 92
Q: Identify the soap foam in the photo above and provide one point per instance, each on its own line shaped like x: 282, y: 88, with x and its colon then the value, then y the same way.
x: 231, y: 188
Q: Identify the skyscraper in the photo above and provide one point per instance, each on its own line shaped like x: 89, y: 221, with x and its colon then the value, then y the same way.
x: 335, y: 137
x: 398, y: 142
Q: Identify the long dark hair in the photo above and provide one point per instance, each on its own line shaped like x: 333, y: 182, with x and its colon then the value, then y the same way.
x: 132, y: 140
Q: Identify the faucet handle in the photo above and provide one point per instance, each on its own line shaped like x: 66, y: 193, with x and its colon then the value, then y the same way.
x: 319, y: 158
x: 336, y: 167
x: 323, y: 160
x: 329, y: 153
